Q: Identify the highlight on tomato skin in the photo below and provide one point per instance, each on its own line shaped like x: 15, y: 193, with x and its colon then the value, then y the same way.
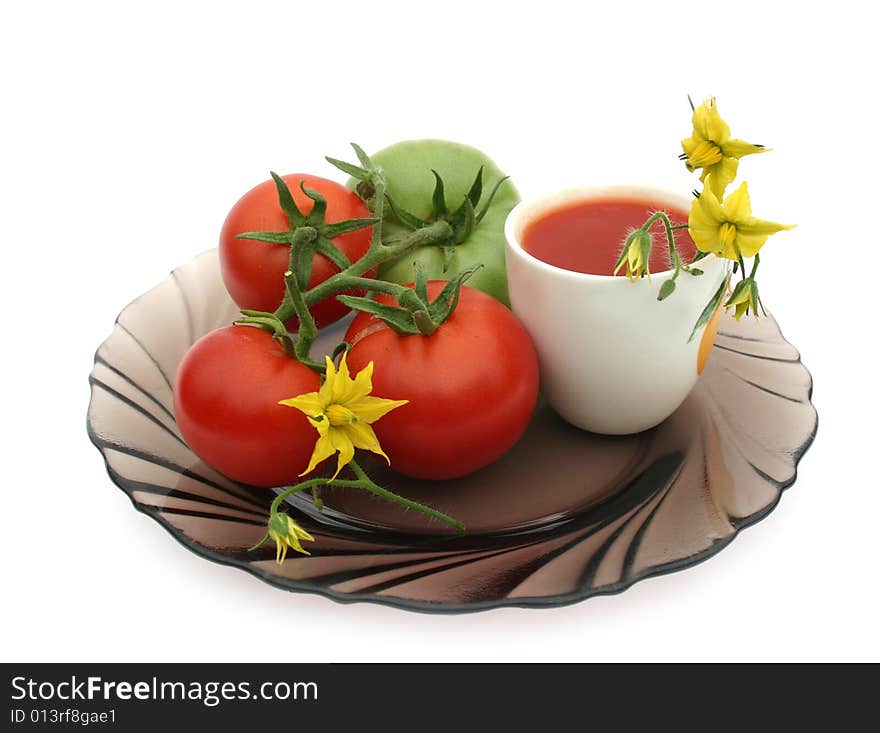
x: 226, y: 397
x: 472, y: 386
x: 253, y: 271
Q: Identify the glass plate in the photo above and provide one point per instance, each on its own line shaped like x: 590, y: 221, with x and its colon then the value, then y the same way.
x: 564, y: 516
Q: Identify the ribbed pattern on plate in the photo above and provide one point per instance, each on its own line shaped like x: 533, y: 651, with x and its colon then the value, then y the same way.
x: 565, y: 516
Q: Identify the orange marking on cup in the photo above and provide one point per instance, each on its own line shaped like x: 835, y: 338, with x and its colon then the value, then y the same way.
x: 708, y: 339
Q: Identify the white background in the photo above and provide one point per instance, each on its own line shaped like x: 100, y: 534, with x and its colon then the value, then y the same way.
x: 127, y: 132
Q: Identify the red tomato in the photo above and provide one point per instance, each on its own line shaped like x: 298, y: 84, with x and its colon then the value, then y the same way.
x: 472, y: 386
x: 226, y: 405
x: 254, y: 271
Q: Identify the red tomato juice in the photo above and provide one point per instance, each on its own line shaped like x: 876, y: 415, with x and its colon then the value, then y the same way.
x: 587, y: 236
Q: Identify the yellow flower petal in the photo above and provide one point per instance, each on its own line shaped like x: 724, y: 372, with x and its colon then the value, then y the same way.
x: 751, y: 234
x: 341, y: 411
x: 759, y: 226
x: 342, y: 443
x: 705, y: 238
x: 727, y: 244
x: 280, y: 550
x: 722, y: 175
x: 750, y: 244
x: 301, y: 533
x: 739, y: 148
x: 309, y: 403
x: 363, y: 437
x: 370, y: 409
x: 708, y: 123
x: 700, y: 153
x: 341, y: 383
x: 704, y: 220
x: 737, y: 207
x: 742, y: 294
x: 710, y: 204
x: 324, y: 448
x: 363, y: 384
x: 326, y: 391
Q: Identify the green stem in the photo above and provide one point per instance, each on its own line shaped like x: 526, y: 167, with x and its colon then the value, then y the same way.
x: 755, y: 266
x: 302, y: 236
x: 350, y: 277
x: 391, y: 496
x: 308, y: 331
x: 739, y: 257
x: 296, y: 302
x: 674, y: 257
x: 290, y: 490
x: 363, y: 482
x: 380, y: 286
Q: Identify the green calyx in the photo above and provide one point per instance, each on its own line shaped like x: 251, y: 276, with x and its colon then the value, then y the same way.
x: 310, y: 234
x: 324, y: 232
x: 415, y: 313
x: 463, y: 219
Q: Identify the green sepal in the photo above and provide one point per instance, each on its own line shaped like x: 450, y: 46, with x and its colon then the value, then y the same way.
x: 363, y: 172
x: 695, y: 271
x: 268, y: 321
x: 444, y: 304
x: 285, y: 199
x: 319, y: 209
x: 344, y: 227
x: 463, y: 221
x: 645, y: 243
x: 421, y: 281
x: 352, y: 170
x: 341, y: 348
x: 476, y: 190
x: 666, y: 289
x: 325, y: 247
x: 260, y: 543
x: 438, y: 199
x: 623, y: 252
x: 407, y: 219
x: 365, y: 159
x: 488, y: 201
x: 740, y: 286
x: 461, y: 216
x: 710, y: 308
x: 699, y: 256
x: 270, y: 237
x: 278, y: 523
x: 399, y: 319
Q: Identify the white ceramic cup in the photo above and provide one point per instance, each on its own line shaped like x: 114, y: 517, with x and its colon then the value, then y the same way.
x: 613, y: 358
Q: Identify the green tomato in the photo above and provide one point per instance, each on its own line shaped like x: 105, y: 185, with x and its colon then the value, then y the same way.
x: 408, y: 167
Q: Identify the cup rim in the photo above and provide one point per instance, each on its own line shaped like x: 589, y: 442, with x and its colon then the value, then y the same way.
x: 558, y: 199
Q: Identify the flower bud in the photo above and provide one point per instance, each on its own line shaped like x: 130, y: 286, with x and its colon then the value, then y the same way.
x: 636, y: 255
x: 744, y: 298
x: 287, y: 534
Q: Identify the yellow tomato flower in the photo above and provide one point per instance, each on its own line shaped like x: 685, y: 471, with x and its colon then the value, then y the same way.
x: 728, y: 229
x: 711, y: 148
x: 744, y: 298
x: 287, y: 534
x: 342, y: 412
x: 636, y: 255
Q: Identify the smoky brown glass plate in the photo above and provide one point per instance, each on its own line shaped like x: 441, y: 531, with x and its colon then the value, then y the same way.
x: 565, y: 515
